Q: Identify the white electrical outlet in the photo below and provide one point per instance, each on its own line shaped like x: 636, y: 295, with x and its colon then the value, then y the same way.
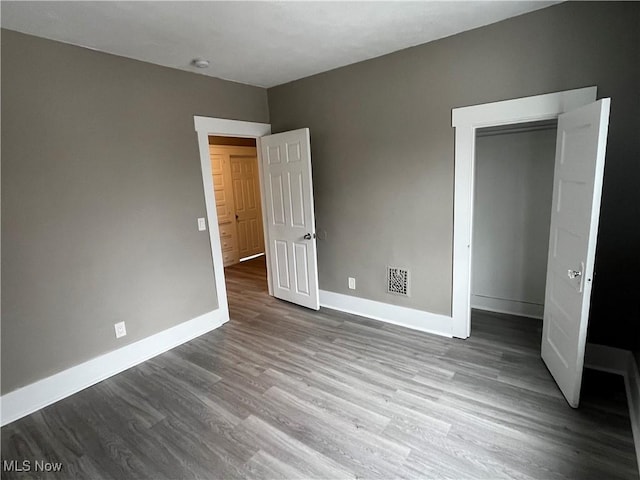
x: 121, y: 330
x: 202, y: 225
x: 352, y: 283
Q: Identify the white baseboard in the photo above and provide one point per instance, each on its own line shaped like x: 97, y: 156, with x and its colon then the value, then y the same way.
x: 621, y: 362
x: 511, y: 307
x: 33, y: 397
x: 606, y: 359
x: 632, y: 381
x: 403, y: 316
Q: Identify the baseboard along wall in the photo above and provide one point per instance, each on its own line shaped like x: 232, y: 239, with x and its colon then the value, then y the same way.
x: 511, y: 307
x: 620, y: 362
x: 403, y: 316
x: 31, y: 398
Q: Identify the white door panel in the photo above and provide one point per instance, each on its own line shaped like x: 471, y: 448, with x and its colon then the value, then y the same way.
x: 286, y: 159
x: 580, y: 152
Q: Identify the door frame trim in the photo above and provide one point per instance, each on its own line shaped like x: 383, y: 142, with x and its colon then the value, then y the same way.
x: 466, y: 120
x: 206, y: 126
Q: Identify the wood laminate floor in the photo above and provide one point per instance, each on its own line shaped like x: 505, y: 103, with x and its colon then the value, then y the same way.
x: 285, y: 392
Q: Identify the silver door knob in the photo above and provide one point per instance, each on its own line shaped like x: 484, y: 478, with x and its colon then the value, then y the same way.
x: 574, y: 273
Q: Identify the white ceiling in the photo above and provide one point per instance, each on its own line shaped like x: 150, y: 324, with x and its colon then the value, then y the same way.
x: 257, y: 43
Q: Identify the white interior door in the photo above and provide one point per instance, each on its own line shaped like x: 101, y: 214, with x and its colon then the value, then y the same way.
x: 286, y: 160
x: 577, y: 185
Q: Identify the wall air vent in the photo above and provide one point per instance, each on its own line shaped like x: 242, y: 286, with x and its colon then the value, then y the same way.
x: 398, y: 281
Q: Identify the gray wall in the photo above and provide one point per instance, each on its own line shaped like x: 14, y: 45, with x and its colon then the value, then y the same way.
x: 382, y: 149
x: 101, y: 188
x: 511, y: 219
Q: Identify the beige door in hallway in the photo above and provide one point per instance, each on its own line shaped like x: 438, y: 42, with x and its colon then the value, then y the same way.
x: 246, y: 195
x: 221, y: 172
x: 238, y: 201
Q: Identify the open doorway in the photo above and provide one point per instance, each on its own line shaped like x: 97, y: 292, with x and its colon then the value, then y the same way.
x: 236, y: 184
x: 206, y: 127
x: 286, y: 193
x: 577, y: 186
x: 513, y: 191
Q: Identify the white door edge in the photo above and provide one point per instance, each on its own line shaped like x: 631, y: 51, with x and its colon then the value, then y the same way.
x: 204, y: 127
x: 466, y: 120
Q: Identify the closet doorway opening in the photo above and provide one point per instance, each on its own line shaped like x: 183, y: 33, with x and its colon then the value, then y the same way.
x: 467, y: 121
x: 512, y: 197
x: 577, y: 187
